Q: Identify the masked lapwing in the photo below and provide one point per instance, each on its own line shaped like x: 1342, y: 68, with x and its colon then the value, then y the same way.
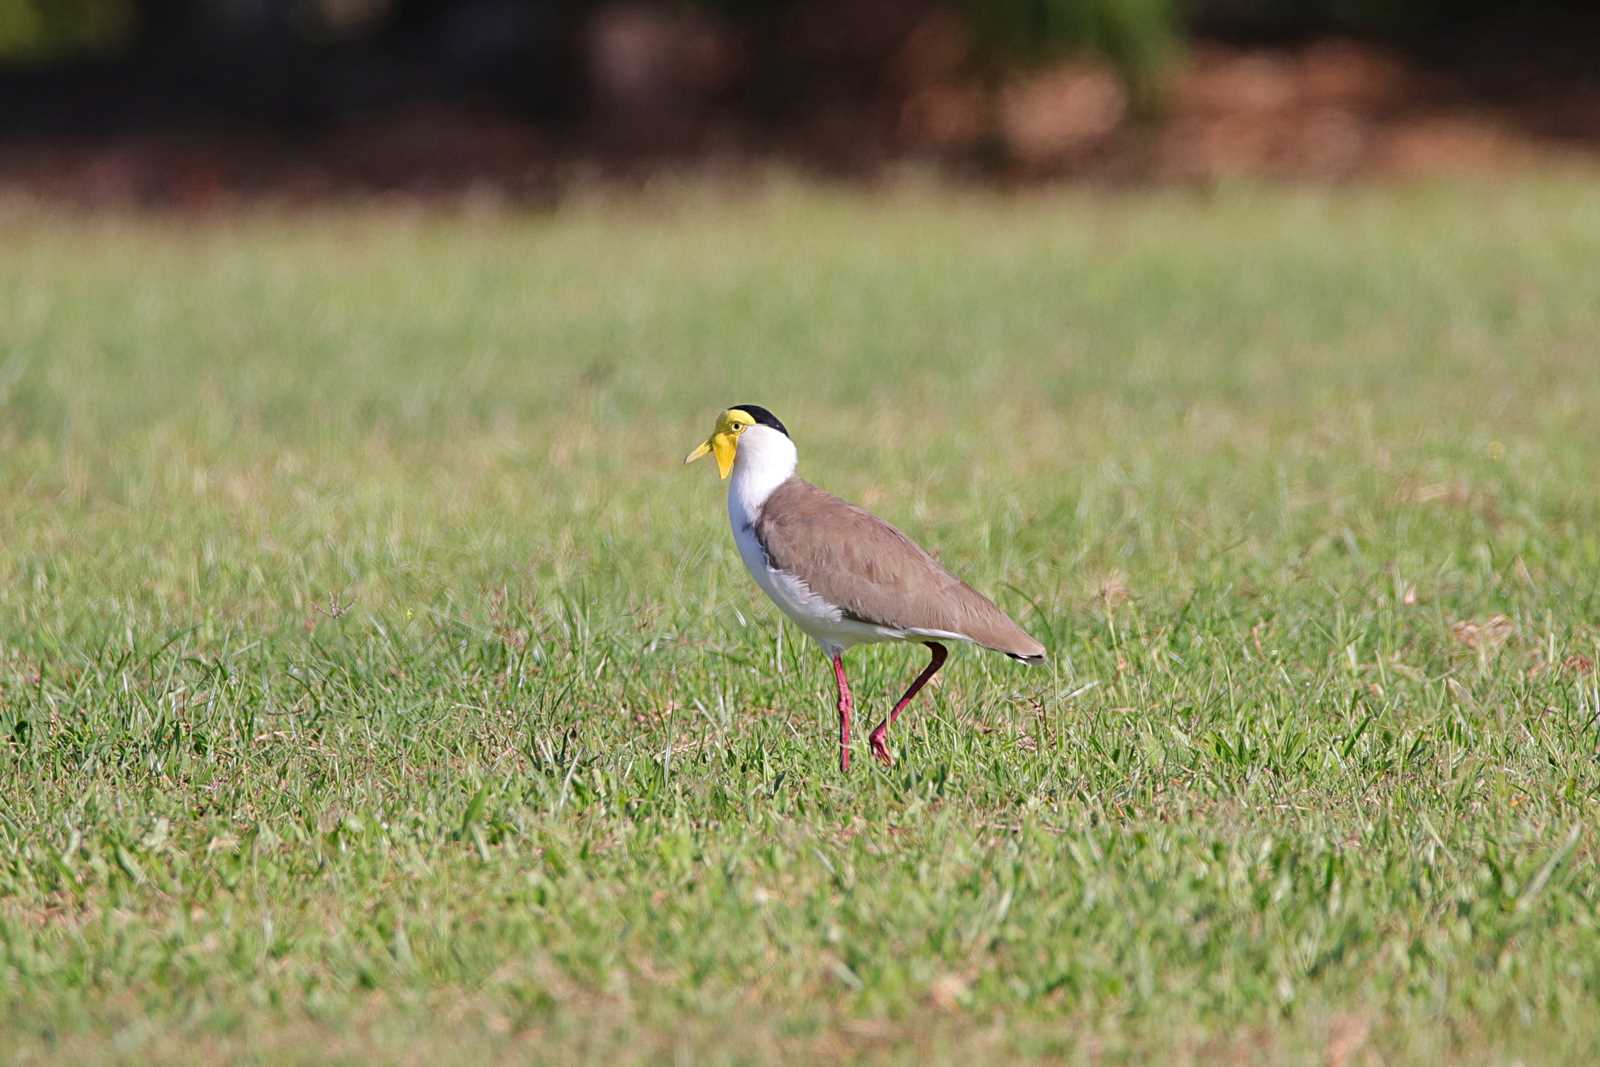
x: 843, y: 575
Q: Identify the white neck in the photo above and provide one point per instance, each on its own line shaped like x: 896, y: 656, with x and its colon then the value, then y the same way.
x: 765, y: 460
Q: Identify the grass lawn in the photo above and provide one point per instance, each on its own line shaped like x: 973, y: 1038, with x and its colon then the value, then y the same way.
x: 375, y: 682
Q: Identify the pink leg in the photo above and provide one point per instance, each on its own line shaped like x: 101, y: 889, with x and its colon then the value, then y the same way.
x: 845, y: 707
x: 879, y: 748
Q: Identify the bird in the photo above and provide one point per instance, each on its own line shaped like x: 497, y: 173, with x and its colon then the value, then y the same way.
x: 845, y: 576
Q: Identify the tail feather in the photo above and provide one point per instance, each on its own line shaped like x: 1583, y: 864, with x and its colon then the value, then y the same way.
x: 1017, y: 643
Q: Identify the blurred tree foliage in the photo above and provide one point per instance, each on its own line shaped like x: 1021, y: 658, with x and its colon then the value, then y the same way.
x: 1138, y: 37
x: 41, y: 30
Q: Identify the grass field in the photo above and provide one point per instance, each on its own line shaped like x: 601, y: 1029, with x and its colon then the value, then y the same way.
x: 375, y: 683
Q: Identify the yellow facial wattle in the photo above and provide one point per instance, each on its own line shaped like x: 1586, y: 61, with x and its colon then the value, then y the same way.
x: 724, y: 441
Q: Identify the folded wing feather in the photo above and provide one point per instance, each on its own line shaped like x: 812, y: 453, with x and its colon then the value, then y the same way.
x: 875, y: 573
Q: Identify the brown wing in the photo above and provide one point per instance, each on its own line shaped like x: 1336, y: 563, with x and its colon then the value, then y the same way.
x: 875, y: 573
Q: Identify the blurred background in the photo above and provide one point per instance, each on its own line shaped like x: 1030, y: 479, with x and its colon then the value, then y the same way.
x: 199, y: 102
x: 376, y: 680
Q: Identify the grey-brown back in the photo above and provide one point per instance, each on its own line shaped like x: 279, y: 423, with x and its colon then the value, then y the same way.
x: 875, y: 573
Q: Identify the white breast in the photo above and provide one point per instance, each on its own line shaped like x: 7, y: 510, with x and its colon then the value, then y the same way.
x: 765, y: 460
x: 825, y: 623
x: 791, y: 594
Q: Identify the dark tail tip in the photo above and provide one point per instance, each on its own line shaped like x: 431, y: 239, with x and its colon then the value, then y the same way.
x: 1032, y: 661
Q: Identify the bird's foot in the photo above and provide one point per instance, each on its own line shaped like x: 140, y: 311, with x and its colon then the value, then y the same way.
x: 880, y: 749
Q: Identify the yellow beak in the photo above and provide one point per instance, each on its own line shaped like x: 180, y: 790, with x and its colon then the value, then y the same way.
x: 720, y: 444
